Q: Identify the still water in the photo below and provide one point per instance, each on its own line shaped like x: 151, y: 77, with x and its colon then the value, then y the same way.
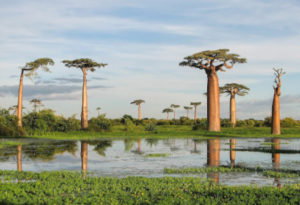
x: 121, y: 158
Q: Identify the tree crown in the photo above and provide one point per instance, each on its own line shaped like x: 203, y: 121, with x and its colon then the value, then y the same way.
x: 98, y: 108
x: 36, y: 101
x: 138, y: 102
x: 38, y: 63
x: 167, y: 110
x: 195, y: 103
x: 187, y: 107
x: 174, y: 106
x: 212, y: 60
x: 234, y: 89
x: 83, y: 63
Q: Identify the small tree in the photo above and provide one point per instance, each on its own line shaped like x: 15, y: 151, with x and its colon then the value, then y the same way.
x: 195, y: 104
x: 167, y: 110
x: 275, y: 129
x: 211, y: 62
x: 174, y: 109
x: 98, y: 110
x: 232, y: 90
x: 31, y: 69
x: 84, y: 64
x: 138, y: 103
x: 36, y: 103
x: 187, y: 108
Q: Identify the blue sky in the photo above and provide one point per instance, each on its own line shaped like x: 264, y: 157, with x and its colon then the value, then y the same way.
x: 143, y: 42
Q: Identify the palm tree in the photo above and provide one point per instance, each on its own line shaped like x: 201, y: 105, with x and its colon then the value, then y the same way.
x: 276, y: 103
x: 187, y: 108
x: 167, y: 110
x: 174, y: 109
x: 212, y: 61
x: 98, y: 110
x: 36, y: 103
x: 195, y: 104
x: 138, y: 103
x: 31, y: 68
x: 84, y: 64
x: 233, y: 89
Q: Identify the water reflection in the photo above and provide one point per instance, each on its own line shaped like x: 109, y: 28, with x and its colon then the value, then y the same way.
x: 232, y: 152
x: 276, y: 159
x: 127, y: 157
x: 19, y: 157
x: 213, y: 157
x: 84, y: 155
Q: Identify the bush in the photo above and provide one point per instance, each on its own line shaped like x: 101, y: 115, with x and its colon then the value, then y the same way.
x: 99, y: 124
x: 288, y: 122
x: 151, y: 127
x: 129, y: 125
x: 126, y: 117
x: 163, y: 122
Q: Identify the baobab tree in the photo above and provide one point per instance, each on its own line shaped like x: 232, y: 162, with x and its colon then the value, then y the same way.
x: 187, y: 108
x: 167, y: 110
x: 211, y: 62
x: 36, y: 103
x: 233, y: 89
x: 138, y: 103
x: 174, y: 109
x: 31, y: 69
x: 98, y: 110
x: 195, y: 104
x: 84, y: 64
x: 276, y: 103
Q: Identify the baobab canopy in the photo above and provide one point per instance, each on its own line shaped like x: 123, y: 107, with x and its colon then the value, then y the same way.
x: 207, y: 60
x: 38, y: 63
x: 83, y: 63
x: 234, y: 89
x: 137, y: 102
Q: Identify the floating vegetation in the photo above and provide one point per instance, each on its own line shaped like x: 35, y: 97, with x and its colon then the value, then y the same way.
x: 76, y: 188
x: 157, y: 155
x: 201, y: 170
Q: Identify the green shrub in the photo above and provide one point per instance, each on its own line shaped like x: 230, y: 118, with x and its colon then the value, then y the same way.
x: 129, y: 125
x: 151, y: 127
x: 99, y: 123
x: 288, y: 122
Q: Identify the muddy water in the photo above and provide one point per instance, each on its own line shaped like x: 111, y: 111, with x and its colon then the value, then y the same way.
x: 120, y: 158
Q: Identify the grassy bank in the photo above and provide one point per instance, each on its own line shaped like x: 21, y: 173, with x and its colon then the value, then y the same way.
x: 76, y: 188
x: 170, y: 131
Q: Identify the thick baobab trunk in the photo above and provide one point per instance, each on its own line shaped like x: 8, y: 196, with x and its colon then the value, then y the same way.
x: 84, y: 111
x: 20, y: 100
x: 167, y: 116
x: 19, y: 158
x: 174, y: 114
x: 276, y: 115
x: 140, y: 112
x: 232, y: 110
x: 213, y: 157
x: 195, y: 115
x: 232, y: 152
x: 213, y: 102
x: 84, y: 155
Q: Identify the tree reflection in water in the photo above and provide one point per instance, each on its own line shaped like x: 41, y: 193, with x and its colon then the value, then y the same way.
x: 276, y: 159
x: 213, y: 157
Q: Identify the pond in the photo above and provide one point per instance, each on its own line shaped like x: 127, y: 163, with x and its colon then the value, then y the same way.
x: 149, y: 157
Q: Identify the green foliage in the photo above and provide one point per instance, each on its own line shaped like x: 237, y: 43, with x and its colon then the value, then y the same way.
x: 234, y: 89
x: 75, y: 188
x: 129, y: 125
x: 201, y: 170
x: 38, y: 63
x: 126, y: 117
x: 8, y: 125
x: 157, y: 155
x: 138, y: 102
x: 99, y: 124
x: 288, y: 122
x: 167, y: 110
x: 151, y: 127
x: 83, y: 63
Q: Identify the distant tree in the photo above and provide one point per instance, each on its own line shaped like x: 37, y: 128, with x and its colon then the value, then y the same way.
x: 31, y: 69
x: 36, y: 103
x: 84, y: 64
x: 14, y: 108
x: 174, y: 109
x: 167, y: 110
x: 187, y: 108
x: 233, y: 89
x: 138, y: 103
x: 98, y: 110
x: 195, y: 104
x: 275, y: 129
x: 206, y: 60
